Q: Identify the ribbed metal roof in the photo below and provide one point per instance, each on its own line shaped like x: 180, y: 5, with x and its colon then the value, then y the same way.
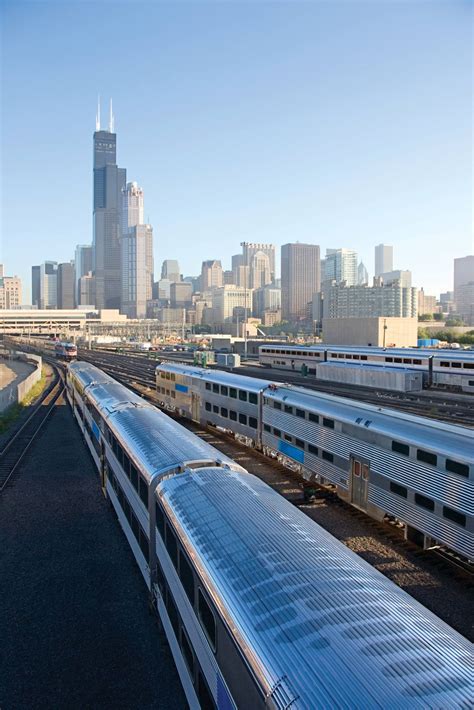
x: 315, y: 617
x: 251, y: 384
x: 87, y: 373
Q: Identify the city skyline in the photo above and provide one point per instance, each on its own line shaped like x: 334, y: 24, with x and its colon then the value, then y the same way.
x: 235, y: 166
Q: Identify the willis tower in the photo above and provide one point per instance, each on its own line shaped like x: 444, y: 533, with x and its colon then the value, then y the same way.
x: 109, y: 180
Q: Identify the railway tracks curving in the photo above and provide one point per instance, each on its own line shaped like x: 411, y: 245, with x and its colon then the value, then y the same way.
x: 19, y: 443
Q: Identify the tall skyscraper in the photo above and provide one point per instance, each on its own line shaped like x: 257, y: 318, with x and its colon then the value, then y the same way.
x: 137, y: 270
x: 260, y: 261
x: 341, y: 266
x: 300, y: 279
x: 212, y: 275
x: 10, y: 291
x: 362, y: 275
x: 109, y: 182
x: 66, y: 285
x: 132, y: 206
x: 48, y: 285
x: 82, y: 265
x: 383, y: 259
x: 170, y: 270
x: 464, y: 288
x: 36, y: 285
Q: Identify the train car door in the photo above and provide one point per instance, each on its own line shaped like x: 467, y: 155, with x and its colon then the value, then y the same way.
x: 195, y: 407
x: 359, y: 483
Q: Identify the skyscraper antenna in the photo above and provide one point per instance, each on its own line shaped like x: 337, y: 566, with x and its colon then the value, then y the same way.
x: 97, y: 115
x: 111, y: 118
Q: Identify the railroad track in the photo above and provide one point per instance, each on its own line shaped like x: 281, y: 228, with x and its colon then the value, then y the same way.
x: 14, y: 451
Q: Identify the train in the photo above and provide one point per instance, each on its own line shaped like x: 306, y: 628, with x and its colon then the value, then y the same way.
x: 261, y: 607
x: 412, y: 469
x: 445, y: 369
x: 65, y: 351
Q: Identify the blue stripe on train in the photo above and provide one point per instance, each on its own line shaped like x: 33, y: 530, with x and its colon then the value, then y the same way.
x: 291, y: 451
x: 95, y: 430
x: 181, y: 388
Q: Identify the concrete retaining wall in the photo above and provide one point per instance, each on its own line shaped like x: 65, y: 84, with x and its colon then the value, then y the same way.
x: 16, y: 392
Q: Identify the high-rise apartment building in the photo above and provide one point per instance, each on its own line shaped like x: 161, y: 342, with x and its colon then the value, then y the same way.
x: 132, y: 206
x: 464, y: 288
x: 10, y: 291
x: 260, y: 261
x: 230, y: 303
x: 426, y: 304
x: 181, y: 294
x: 368, y: 302
x: 36, y: 285
x: 300, y: 279
x: 109, y: 183
x: 267, y: 298
x: 83, y: 264
x: 66, y: 285
x: 137, y: 270
x: 383, y: 259
x: 212, y: 275
x: 463, y: 271
x: 170, y: 270
x: 403, y: 278
x: 341, y: 266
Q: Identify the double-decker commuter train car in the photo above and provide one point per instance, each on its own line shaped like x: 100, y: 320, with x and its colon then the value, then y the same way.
x: 65, y: 351
x: 440, y: 368
x: 386, y: 463
x: 261, y: 607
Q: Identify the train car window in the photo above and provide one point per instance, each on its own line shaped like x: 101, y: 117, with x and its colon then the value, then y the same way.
x: 276, y: 405
x: 242, y: 395
x: 453, y: 515
x: 173, y: 394
x: 397, y: 359
x: 233, y: 415
x: 143, y: 491
x: 224, y: 391
x: 399, y: 490
x: 208, y: 407
x: 253, y: 398
x: 329, y: 423
x: 300, y: 413
x: 186, y: 576
x: 172, y: 612
x: 424, y: 502
x: 160, y: 520
x: 335, y: 355
x: 426, y: 457
x: 215, y: 409
x: 288, y: 409
x: 135, y: 526
x: 400, y: 448
x: 417, y: 362
x: 469, y: 365
x: 313, y: 417
x: 144, y: 545
x: 288, y: 437
x: 253, y: 422
x: 276, y: 432
x: 208, y: 385
x: 173, y: 377
x: 267, y: 428
x: 171, y: 545
x: 356, y: 357
x: 313, y: 449
x: 187, y: 652
x: 232, y: 392
x: 444, y: 364
x: 363, y: 357
x: 242, y: 418
x: 456, y: 364
x: 224, y: 412
x: 389, y: 359
x: 406, y: 361
x: 215, y: 388
x: 126, y: 465
x: 455, y: 467
x: 327, y: 456
x: 167, y: 376
x: 206, y: 701
x: 207, y: 619
x: 126, y: 508
x: 299, y: 443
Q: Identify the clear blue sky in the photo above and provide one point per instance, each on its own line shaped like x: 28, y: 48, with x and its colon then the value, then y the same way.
x: 345, y: 124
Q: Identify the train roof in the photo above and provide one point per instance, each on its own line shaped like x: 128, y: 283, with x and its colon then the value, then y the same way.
x: 397, y: 352
x: 87, y: 373
x: 319, y: 624
x: 251, y: 384
x: 152, y: 439
x: 451, y: 440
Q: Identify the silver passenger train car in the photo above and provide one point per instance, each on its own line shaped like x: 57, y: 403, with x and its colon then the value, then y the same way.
x: 261, y: 607
x: 385, y: 463
x: 440, y: 368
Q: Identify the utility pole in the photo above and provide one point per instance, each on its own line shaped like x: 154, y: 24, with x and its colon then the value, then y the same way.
x: 384, y: 331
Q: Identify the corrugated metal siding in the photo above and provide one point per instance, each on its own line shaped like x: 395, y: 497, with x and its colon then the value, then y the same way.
x: 308, y: 608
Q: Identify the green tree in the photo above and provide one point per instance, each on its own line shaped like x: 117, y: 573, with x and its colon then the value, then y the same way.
x: 438, y: 316
x: 425, y: 316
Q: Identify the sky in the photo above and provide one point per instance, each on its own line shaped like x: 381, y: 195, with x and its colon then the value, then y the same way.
x: 343, y: 124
